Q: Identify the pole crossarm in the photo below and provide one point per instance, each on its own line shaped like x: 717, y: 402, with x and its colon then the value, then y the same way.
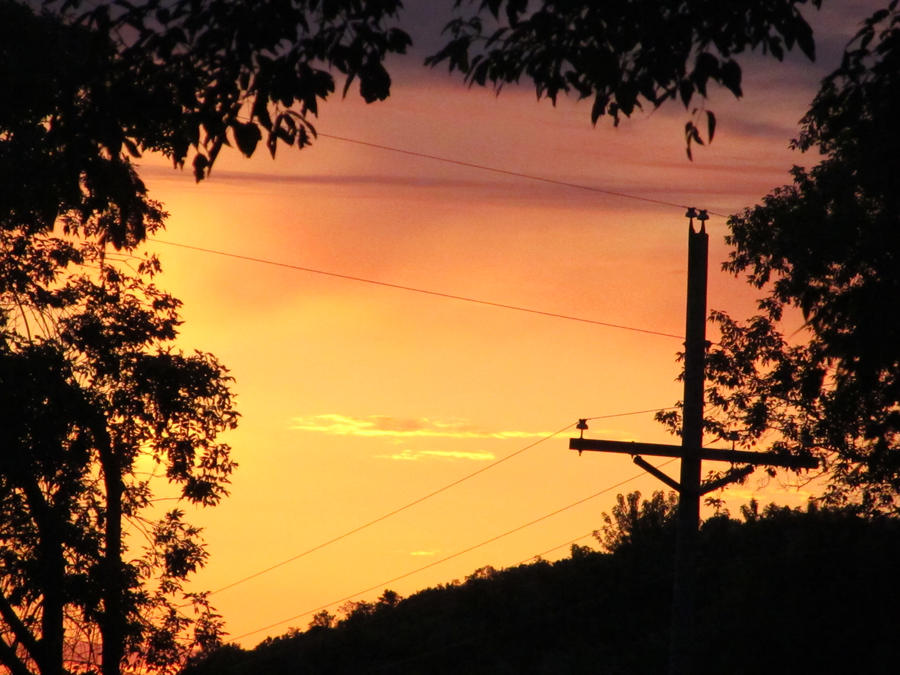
x: 684, y: 647
x: 733, y: 475
x: 652, y: 470
x: 710, y: 454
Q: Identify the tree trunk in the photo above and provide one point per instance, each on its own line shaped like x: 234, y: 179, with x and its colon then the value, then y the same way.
x: 52, y: 570
x: 112, y: 623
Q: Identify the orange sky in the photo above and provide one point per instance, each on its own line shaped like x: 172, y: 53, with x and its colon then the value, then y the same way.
x: 358, y: 399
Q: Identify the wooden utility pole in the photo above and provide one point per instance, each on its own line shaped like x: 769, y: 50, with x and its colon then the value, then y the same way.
x: 682, y: 631
x: 692, y: 453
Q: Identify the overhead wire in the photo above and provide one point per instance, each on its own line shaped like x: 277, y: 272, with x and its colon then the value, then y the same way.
x: 626, y: 414
x: 451, y: 556
x: 540, y: 555
x: 454, y: 297
x: 557, y: 614
x: 419, y: 500
x: 471, y: 165
x: 390, y: 514
x: 507, y: 172
x: 267, y: 261
x: 440, y: 294
x: 576, y: 539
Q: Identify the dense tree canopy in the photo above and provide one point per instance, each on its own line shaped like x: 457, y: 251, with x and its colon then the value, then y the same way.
x: 87, y: 88
x: 96, y: 401
x: 783, y: 591
x: 183, y: 78
x: 828, y: 245
x: 90, y: 384
x: 623, y: 54
x: 187, y: 78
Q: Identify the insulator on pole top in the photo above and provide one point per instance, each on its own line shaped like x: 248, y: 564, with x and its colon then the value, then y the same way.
x: 582, y: 426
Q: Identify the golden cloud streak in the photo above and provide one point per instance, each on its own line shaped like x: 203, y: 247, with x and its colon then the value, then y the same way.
x: 415, y: 455
x: 393, y: 427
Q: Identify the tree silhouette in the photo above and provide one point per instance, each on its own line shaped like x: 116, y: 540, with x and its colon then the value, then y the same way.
x: 182, y: 78
x: 633, y: 520
x: 624, y: 54
x: 89, y: 87
x: 186, y: 78
x: 94, y: 395
x: 771, y: 584
x: 828, y: 245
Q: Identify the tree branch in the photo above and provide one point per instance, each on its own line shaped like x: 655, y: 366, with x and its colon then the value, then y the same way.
x: 19, y: 629
x: 10, y: 659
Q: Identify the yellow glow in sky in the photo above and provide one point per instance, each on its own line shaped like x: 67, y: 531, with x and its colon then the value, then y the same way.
x: 358, y: 399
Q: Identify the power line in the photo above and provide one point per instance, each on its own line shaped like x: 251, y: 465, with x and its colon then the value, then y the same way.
x: 417, y: 501
x: 626, y: 414
x: 506, y: 172
x: 386, y: 284
x: 392, y: 513
x: 557, y: 547
x: 449, y: 557
x: 576, y: 539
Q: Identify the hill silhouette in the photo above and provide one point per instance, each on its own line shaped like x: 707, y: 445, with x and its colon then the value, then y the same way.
x: 781, y: 591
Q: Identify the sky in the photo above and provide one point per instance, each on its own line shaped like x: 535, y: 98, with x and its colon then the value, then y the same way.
x: 359, y: 399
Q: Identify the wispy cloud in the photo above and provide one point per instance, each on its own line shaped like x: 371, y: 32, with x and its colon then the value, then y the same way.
x: 342, y: 179
x: 423, y: 554
x: 395, y: 427
x: 416, y: 455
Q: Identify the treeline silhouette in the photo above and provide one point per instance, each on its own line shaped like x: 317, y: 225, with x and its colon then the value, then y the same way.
x: 780, y: 591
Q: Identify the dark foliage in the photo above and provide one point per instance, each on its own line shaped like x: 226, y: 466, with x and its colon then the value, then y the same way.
x: 189, y: 77
x: 829, y: 246
x: 783, y: 591
x: 622, y: 54
x: 87, y: 87
x: 93, y: 393
x: 829, y: 243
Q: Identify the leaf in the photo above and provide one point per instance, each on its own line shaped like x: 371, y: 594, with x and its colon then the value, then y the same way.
x: 706, y: 66
x: 695, y: 135
x: 374, y: 83
x: 200, y: 163
x: 805, y: 41
x: 351, y: 75
x: 710, y: 125
x: 626, y: 96
x: 247, y: 136
x: 131, y: 147
x: 686, y: 91
x: 599, y: 107
x: 215, y: 149
x: 261, y: 112
x: 731, y: 77
x: 691, y: 135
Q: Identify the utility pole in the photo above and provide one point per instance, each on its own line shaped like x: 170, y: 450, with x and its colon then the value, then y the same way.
x: 681, y: 636
x: 682, y: 645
